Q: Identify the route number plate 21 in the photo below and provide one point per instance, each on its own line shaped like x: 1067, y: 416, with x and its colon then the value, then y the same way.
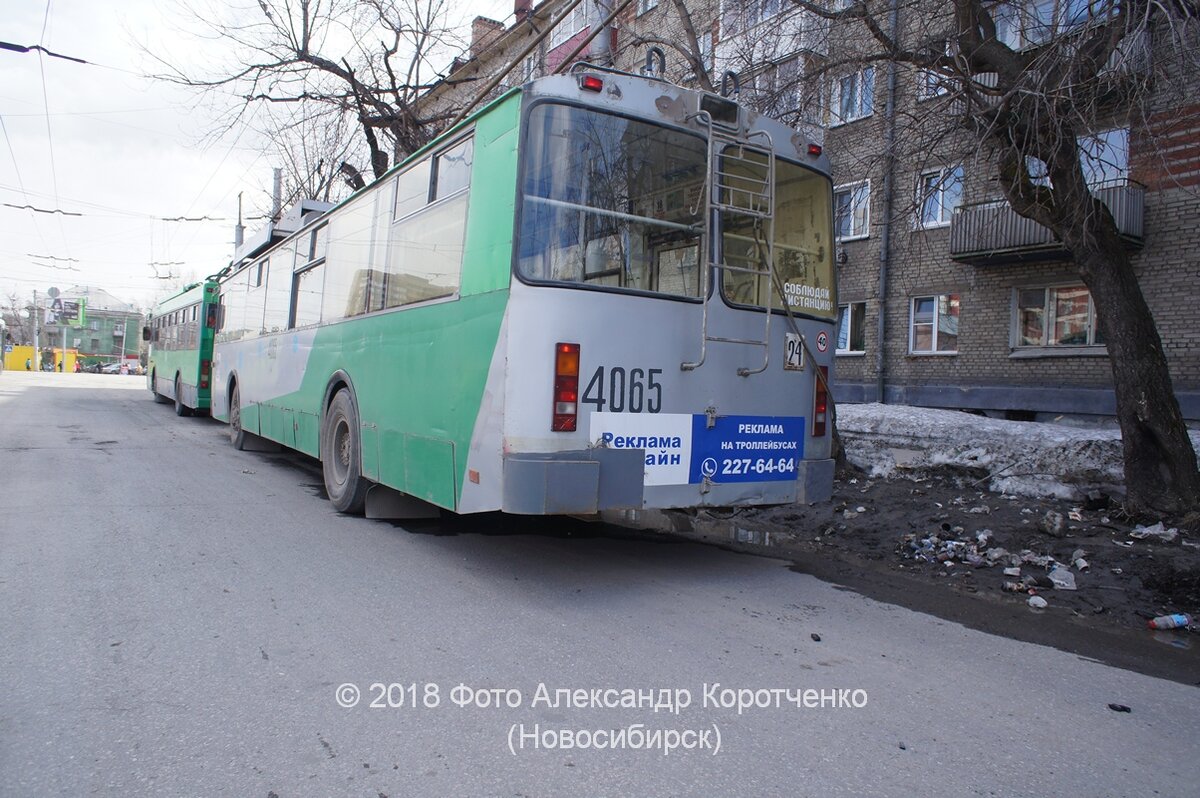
x: 793, y: 351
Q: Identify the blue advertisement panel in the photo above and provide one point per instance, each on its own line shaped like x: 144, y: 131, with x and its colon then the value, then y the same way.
x: 746, y: 448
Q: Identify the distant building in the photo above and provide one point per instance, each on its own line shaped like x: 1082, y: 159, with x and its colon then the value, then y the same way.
x: 111, y: 329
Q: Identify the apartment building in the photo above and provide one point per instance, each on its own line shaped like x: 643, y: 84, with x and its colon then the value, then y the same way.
x: 947, y: 297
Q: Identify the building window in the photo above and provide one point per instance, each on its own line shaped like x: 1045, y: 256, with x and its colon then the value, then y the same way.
x: 852, y: 210
x: 646, y: 5
x: 776, y: 87
x: 1104, y: 157
x: 574, y: 22
x: 1056, y: 316
x: 1031, y: 23
x: 933, y: 83
x: 938, y: 194
x: 933, y: 325
x: 851, y: 329
x: 739, y: 15
x: 852, y: 96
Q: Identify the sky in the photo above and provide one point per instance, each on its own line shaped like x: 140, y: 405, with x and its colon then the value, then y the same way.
x: 125, y: 155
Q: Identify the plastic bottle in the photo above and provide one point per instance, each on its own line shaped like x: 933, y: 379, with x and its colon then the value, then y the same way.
x: 1175, y: 621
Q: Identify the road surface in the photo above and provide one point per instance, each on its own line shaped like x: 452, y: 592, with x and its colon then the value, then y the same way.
x: 180, y: 618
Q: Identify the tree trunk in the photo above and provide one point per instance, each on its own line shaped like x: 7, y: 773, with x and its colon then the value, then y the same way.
x: 1160, y: 463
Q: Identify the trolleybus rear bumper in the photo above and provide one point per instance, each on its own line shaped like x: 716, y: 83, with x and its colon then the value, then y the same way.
x: 590, y: 481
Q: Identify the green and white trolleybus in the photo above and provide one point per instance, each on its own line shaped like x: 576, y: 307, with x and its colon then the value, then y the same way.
x: 601, y: 292
x: 180, y: 333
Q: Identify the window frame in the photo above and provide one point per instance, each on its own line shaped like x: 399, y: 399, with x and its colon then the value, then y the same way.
x: 1049, y: 321
x: 575, y: 21
x: 1023, y: 27
x: 938, y: 189
x: 864, y: 105
x: 853, y: 309
x: 937, y: 315
x: 932, y: 84
x: 866, y: 227
x: 747, y: 15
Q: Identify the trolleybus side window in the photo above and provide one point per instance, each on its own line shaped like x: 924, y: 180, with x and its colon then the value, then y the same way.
x: 309, y: 279
x: 425, y: 258
x: 610, y: 201
x: 346, y: 274
x: 256, y: 297
x: 279, y: 288
x: 233, y: 300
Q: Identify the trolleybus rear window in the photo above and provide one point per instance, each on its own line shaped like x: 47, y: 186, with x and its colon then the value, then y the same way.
x: 802, y: 238
x: 611, y: 202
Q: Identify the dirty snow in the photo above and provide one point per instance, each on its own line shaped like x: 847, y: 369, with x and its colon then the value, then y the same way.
x: 1021, y: 458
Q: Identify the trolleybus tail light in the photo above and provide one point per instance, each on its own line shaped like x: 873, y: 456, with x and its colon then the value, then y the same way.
x: 814, y: 150
x: 566, y: 388
x: 205, y: 371
x: 821, y: 404
x: 591, y: 83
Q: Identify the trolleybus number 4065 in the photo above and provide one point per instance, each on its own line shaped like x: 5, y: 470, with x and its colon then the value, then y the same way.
x: 629, y: 390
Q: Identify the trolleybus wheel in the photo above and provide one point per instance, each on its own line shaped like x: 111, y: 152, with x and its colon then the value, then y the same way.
x: 237, y: 435
x: 158, y: 397
x: 180, y: 408
x: 341, y: 460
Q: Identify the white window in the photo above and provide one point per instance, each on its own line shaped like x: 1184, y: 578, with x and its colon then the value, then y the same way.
x: 938, y: 194
x: 776, y: 87
x: 1104, y: 157
x: 742, y: 15
x: 851, y: 329
x: 1030, y: 23
x: 573, y: 23
x: 647, y: 5
x: 852, y: 211
x: 932, y: 82
x: 852, y: 96
x: 933, y: 325
x: 1055, y: 316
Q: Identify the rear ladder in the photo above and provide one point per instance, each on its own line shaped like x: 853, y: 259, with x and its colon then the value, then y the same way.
x: 739, y: 186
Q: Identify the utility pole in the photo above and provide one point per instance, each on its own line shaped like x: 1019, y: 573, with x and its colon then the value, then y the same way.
x: 37, y: 339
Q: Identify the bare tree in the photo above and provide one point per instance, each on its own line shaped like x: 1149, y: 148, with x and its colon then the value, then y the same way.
x: 18, y: 317
x: 366, y: 60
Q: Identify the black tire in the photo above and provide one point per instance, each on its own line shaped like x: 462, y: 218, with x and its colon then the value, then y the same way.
x: 158, y: 397
x: 341, y: 456
x: 180, y: 408
x: 237, y: 435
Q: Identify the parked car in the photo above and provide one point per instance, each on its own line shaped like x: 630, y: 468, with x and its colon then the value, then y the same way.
x: 110, y: 368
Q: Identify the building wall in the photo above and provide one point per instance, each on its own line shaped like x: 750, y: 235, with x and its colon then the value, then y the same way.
x: 987, y: 373
x: 108, y: 346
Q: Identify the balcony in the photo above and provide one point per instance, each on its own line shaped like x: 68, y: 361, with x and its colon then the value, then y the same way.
x: 991, y: 233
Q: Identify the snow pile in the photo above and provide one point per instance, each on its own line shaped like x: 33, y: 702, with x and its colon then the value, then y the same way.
x: 1016, y: 457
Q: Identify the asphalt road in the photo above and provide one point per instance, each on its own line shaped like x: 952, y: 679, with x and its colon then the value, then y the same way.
x: 178, y: 619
